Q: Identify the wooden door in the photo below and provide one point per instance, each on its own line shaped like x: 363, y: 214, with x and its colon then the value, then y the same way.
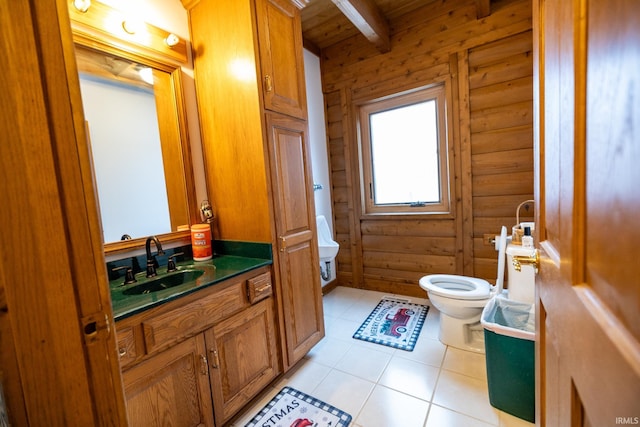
x: 58, y: 358
x: 588, y: 289
x: 281, y: 61
x: 243, y: 358
x: 299, y: 266
x: 171, y: 388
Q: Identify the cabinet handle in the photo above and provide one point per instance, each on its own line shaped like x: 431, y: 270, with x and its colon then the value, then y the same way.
x: 263, y: 288
x: 214, y: 355
x: 203, y: 365
x: 268, y: 84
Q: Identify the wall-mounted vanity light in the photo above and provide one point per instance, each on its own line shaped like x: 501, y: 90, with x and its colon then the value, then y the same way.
x: 91, y: 16
x: 82, y: 5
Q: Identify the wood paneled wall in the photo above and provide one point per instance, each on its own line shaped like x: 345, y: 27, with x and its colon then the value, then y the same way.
x: 489, y: 65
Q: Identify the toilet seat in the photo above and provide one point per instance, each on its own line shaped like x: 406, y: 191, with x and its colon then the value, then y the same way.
x: 457, y: 287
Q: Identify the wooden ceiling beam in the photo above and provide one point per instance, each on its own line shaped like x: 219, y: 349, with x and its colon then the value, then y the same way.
x: 483, y: 8
x: 368, y: 19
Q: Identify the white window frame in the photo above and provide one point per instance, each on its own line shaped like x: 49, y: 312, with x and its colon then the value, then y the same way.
x: 437, y: 92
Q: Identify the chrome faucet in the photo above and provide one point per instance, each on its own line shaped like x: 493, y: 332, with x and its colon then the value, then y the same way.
x: 152, y: 262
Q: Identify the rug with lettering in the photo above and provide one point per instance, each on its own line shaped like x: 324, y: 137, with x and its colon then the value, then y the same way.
x: 293, y: 408
x: 394, y: 323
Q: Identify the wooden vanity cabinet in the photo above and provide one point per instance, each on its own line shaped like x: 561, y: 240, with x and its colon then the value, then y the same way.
x: 249, y: 76
x: 201, y: 357
x: 170, y: 388
x: 242, y: 358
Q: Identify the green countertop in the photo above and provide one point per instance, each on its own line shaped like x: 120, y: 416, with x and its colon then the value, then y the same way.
x: 219, y: 269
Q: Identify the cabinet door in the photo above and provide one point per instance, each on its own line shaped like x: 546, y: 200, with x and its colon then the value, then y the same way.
x: 243, y: 358
x: 282, y: 63
x: 171, y: 388
x: 126, y: 346
x: 299, y: 266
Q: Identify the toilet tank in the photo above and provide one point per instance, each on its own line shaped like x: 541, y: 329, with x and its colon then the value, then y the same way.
x: 521, y: 284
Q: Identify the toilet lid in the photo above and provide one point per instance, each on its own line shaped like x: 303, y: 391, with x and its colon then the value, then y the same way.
x: 459, y: 287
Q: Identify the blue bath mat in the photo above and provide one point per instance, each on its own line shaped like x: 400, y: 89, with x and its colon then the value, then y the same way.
x: 293, y: 408
x: 394, y: 323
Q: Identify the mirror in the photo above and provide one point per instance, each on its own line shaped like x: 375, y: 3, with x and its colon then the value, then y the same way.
x: 136, y: 126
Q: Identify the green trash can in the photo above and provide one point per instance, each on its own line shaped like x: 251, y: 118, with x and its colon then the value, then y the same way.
x: 509, y: 336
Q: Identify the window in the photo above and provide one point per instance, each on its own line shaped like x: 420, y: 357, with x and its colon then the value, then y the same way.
x: 404, y: 153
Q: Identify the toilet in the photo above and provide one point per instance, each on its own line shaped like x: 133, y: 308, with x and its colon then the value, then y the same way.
x: 461, y: 299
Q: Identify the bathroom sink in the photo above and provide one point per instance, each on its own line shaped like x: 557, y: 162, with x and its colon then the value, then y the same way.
x: 164, y: 282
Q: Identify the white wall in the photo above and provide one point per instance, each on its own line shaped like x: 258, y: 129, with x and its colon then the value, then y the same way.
x: 318, y: 136
x: 318, y: 141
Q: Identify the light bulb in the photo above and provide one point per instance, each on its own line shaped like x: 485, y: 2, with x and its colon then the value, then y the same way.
x: 172, y: 40
x: 82, y: 5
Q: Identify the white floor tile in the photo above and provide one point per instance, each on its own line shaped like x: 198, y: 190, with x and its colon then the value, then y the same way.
x: 431, y: 328
x: 409, y: 377
x: 305, y: 376
x: 336, y: 305
x: 427, y: 351
x: 346, y: 293
x: 364, y: 362
x: 329, y: 351
x: 330, y: 320
x: 344, y: 391
x: 466, y: 395
x: 374, y: 346
x: 442, y: 417
x: 342, y: 329
x: 390, y: 408
x: 508, y: 420
x: 360, y: 310
x: 248, y: 414
x: 466, y: 363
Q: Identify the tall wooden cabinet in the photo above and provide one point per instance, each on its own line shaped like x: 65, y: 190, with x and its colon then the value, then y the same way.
x: 298, y: 259
x: 280, y: 43
x: 249, y: 76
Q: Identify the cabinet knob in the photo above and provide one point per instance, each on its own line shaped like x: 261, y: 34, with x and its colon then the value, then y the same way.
x: 122, y: 351
x: 268, y: 83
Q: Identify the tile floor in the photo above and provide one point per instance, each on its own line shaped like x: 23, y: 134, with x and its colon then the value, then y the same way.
x: 432, y: 386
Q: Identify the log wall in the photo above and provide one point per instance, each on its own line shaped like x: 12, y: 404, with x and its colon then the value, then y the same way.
x: 489, y: 65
